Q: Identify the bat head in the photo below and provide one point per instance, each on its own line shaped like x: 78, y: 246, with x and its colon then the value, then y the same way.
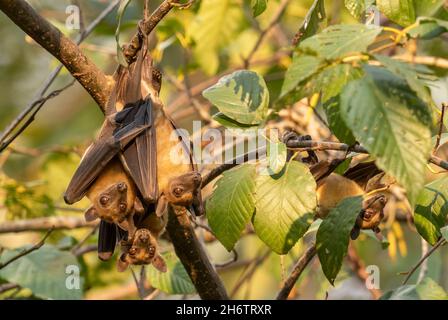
x: 110, y: 205
x: 183, y: 189
x: 372, y: 213
x: 143, y: 250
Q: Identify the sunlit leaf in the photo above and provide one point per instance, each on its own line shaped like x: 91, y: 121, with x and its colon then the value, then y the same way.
x: 231, y: 205
x: 175, y: 280
x: 388, y: 119
x: 401, y: 12
x: 241, y: 96
x: 431, y: 210
x: 48, y: 272
x: 284, y: 203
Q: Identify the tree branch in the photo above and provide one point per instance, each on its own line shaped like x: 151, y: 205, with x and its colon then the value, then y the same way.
x: 27, y: 251
x: 148, y: 25
x: 425, y: 256
x: 297, y: 270
x: 61, y: 47
x: 40, y: 224
x: 192, y: 255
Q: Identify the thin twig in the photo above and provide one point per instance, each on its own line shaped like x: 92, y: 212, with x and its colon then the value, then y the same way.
x: 27, y: 251
x: 426, y: 256
x: 250, y: 272
x: 39, y: 224
x: 53, y: 75
x: 8, y: 286
x: 297, y: 270
x: 152, y: 295
x: 38, y: 104
x: 275, y: 19
x: 84, y: 240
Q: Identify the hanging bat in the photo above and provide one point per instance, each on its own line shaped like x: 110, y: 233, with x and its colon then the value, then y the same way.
x: 113, y: 198
x: 182, y: 190
x: 144, y: 250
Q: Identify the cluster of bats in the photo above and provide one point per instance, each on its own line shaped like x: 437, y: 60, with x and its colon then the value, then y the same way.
x: 130, y: 178
x: 127, y: 173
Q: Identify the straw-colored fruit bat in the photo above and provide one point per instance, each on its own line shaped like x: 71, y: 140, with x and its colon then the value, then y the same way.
x: 180, y: 191
x: 138, y: 133
x: 332, y: 188
x: 144, y: 250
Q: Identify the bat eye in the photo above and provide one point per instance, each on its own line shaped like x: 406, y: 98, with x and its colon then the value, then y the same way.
x: 178, y: 191
x: 132, y: 251
x: 122, y: 207
x: 104, y: 200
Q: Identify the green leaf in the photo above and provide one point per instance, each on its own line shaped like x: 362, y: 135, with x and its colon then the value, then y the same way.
x: 430, y: 8
x: 120, y: 12
x: 284, y: 206
x: 334, y: 78
x: 214, y: 26
x: 43, y: 272
x: 258, y: 7
x: 431, y: 210
x: 383, y: 242
x: 401, y: 12
x: 357, y: 8
x: 227, y: 122
x: 241, y: 96
x: 175, y: 280
x: 310, y: 25
x: 301, y: 68
x: 339, y: 40
x: 312, y: 55
x: 276, y: 153
x: 336, y: 123
x: 428, y: 28
x: 427, y: 289
x: 392, y: 124
x: 407, y: 72
x: 231, y: 205
x: 333, y: 235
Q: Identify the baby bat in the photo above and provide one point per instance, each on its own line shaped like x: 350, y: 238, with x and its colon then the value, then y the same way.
x: 144, y: 250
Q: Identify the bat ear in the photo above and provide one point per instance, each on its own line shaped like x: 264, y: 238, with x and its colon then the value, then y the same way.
x: 159, y: 263
x: 162, y: 206
x: 122, y: 264
x: 354, y: 234
x: 138, y: 206
x: 91, y: 214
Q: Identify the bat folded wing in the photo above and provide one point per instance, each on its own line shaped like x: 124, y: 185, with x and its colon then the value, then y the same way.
x: 98, y: 156
x: 140, y: 157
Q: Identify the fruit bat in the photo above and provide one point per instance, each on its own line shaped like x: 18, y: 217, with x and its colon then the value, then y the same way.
x: 181, y: 191
x: 113, y: 198
x: 144, y: 250
x: 129, y: 132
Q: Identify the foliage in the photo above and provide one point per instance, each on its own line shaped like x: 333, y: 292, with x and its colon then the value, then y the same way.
x: 364, y: 83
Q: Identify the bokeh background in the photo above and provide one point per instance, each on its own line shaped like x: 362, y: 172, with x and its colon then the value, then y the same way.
x: 37, y: 167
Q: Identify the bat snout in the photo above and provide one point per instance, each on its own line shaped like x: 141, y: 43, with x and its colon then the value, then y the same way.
x: 122, y: 187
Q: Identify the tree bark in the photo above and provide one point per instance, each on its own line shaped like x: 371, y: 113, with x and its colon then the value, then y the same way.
x: 193, y: 257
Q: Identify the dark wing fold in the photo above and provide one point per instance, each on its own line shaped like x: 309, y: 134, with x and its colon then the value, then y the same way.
x: 140, y: 157
x: 107, y: 239
x: 99, y: 154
